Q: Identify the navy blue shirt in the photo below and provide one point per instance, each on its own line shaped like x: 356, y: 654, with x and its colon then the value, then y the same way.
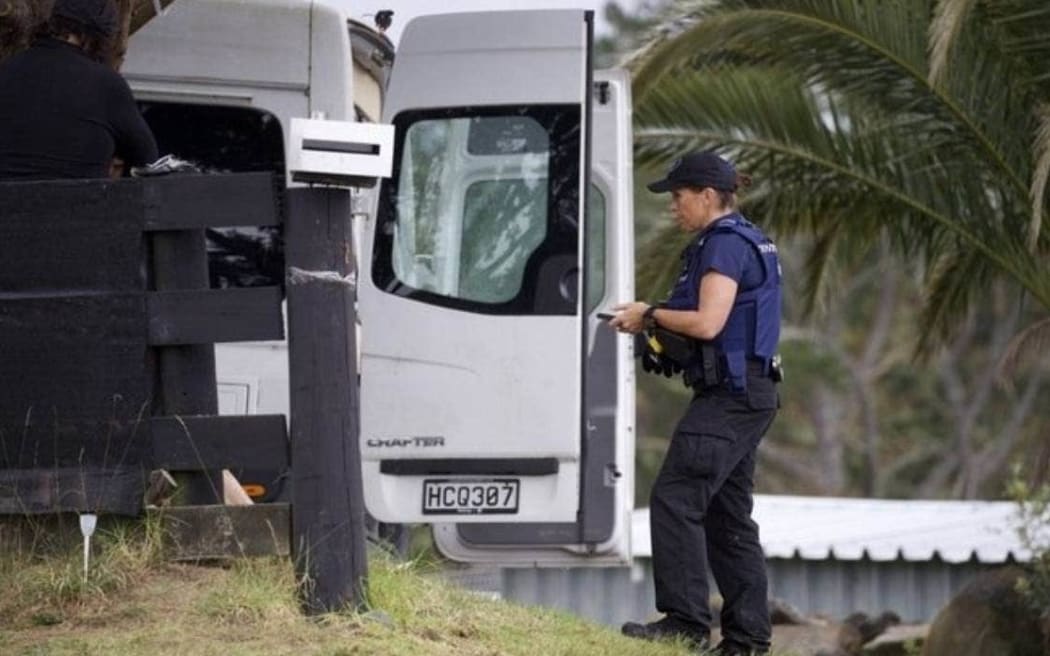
x: 65, y: 115
x: 725, y: 252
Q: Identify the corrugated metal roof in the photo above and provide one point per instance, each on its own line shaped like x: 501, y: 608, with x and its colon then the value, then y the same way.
x: 818, y: 528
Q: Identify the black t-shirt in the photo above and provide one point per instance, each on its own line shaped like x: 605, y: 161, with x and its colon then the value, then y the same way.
x: 64, y: 115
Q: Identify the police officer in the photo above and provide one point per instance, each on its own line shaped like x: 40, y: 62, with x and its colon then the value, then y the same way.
x: 64, y: 112
x: 727, y: 300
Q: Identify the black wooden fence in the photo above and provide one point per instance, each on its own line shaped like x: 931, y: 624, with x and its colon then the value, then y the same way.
x: 107, y: 365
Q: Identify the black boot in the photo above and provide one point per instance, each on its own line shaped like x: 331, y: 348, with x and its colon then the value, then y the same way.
x: 669, y: 628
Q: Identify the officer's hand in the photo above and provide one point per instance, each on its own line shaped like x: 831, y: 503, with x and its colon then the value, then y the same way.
x: 629, y: 318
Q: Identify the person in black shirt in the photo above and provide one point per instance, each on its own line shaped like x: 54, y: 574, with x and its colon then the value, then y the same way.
x: 64, y: 112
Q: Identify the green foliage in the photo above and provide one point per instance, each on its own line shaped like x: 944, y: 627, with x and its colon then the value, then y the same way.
x: 251, y: 607
x: 834, y: 108
x: 630, y: 29
x: 1033, y: 527
x: 263, y: 590
x: 134, y: 604
x: 901, y: 155
x: 43, y: 581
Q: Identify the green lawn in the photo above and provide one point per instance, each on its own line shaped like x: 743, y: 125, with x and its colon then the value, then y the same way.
x: 134, y: 604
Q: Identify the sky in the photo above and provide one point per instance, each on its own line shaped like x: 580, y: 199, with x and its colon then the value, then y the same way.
x: 404, y: 10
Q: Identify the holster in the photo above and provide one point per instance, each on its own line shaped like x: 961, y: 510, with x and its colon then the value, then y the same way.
x: 676, y: 346
x: 699, y: 361
x: 709, y: 364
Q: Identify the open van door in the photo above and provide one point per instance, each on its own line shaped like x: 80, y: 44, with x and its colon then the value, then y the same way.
x: 494, y: 404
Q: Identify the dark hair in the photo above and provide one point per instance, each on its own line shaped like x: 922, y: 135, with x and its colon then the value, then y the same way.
x: 19, y: 22
x: 727, y: 197
x: 98, y: 46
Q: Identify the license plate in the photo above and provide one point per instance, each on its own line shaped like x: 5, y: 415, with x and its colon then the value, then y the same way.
x: 459, y: 497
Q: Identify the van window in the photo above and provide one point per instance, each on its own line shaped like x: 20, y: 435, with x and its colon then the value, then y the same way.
x: 481, y: 212
x: 596, y: 244
x: 227, y: 140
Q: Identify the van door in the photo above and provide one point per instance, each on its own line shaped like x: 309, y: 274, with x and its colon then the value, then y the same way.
x: 476, y: 300
x: 601, y: 532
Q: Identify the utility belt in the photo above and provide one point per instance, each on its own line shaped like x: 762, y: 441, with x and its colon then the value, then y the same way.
x: 712, y: 371
x: 702, y: 364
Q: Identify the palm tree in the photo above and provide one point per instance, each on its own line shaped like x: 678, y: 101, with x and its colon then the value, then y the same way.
x: 924, y: 123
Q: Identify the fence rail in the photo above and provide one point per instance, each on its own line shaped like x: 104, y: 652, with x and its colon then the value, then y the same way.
x: 106, y: 331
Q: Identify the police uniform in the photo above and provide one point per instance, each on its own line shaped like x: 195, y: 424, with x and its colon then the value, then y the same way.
x: 700, y: 506
x: 701, y: 502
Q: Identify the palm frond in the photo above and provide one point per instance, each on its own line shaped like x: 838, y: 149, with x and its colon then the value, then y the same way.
x: 1031, y: 344
x: 1020, y: 28
x: 853, y: 133
x: 949, y: 18
x: 661, y: 262
x: 774, y: 129
x: 879, y: 56
x: 817, y: 265
x: 1041, y: 155
x: 955, y: 279
x: 765, y: 31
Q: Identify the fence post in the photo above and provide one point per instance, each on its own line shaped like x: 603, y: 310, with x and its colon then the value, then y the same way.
x: 186, y: 373
x: 328, y: 502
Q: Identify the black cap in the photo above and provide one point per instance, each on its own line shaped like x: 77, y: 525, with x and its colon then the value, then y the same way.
x: 699, y: 169
x: 99, y: 16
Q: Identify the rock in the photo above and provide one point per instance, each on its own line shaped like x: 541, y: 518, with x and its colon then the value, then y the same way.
x: 781, y: 612
x: 379, y: 617
x: 858, y: 629
x: 806, y: 640
x: 989, y: 616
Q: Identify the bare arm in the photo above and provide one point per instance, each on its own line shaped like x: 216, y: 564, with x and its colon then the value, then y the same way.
x: 717, y: 293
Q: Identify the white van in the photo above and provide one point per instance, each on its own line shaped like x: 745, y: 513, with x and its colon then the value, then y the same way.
x: 495, y: 404
x: 218, y: 82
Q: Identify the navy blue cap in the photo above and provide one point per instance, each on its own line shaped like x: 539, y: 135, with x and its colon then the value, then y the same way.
x: 698, y: 169
x: 99, y: 16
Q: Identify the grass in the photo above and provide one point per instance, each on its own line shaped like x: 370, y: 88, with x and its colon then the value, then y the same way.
x: 134, y: 603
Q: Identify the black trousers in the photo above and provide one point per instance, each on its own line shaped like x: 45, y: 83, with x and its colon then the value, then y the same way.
x: 700, y: 514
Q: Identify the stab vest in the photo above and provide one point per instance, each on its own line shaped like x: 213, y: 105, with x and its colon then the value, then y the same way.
x: 752, y: 330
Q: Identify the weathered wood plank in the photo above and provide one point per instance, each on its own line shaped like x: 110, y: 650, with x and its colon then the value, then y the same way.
x: 111, y: 490
x: 328, y: 524
x: 214, y: 316
x: 72, y: 400
x: 57, y: 533
x: 76, y: 236
x: 196, y: 533
x: 74, y: 380
x: 202, y: 201
x: 186, y: 374
x: 195, y: 443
